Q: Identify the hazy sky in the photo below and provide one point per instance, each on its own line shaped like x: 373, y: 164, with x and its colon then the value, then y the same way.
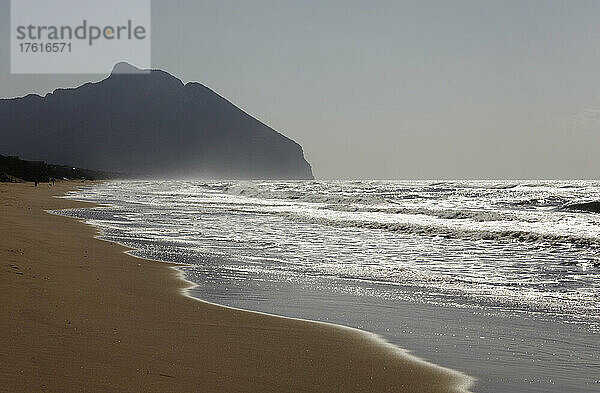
x: 392, y: 89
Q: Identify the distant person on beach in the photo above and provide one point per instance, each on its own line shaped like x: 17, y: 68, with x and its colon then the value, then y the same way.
x: 53, y: 180
x: 36, y: 183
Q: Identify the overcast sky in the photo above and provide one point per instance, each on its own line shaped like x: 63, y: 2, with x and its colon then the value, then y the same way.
x: 392, y: 89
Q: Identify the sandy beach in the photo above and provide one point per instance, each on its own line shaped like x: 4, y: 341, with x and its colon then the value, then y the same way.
x: 78, y: 314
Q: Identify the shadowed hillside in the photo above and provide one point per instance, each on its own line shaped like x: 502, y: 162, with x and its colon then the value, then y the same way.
x: 13, y: 169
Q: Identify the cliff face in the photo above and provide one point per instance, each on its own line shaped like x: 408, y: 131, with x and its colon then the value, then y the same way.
x: 151, y: 124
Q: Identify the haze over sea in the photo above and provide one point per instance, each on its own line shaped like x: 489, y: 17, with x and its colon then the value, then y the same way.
x: 499, y: 279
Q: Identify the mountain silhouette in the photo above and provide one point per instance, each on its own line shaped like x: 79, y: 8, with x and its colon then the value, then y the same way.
x: 147, y: 122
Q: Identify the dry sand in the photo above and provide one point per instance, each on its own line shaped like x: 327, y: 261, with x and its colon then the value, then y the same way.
x: 78, y: 314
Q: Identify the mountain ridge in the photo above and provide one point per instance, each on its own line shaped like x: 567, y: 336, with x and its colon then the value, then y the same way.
x: 148, y: 121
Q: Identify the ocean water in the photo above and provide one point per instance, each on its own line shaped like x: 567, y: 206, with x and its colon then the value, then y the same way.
x: 498, y: 279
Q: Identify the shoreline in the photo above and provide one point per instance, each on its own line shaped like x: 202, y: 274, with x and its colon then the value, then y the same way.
x: 247, y: 351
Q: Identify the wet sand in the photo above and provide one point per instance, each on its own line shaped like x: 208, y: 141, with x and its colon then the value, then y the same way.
x: 80, y: 315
